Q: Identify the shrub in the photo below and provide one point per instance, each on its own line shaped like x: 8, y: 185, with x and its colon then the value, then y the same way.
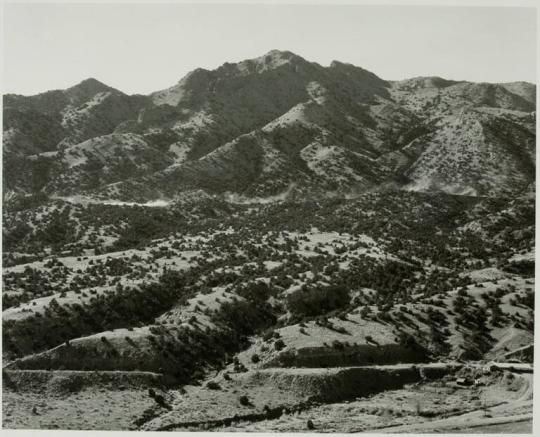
x: 317, y: 301
x: 268, y: 336
x: 244, y: 317
x: 336, y: 344
x: 160, y: 400
x: 279, y: 344
x: 213, y: 385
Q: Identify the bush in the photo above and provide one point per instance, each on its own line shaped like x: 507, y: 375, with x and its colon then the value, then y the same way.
x: 255, y: 358
x: 408, y: 341
x: 279, y: 344
x: 245, y: 317
x: 160, y: 400
x: 244, y: 400
x: 267, y: 336
x: 336, y: 344
x: 317, y: 301
x: 213, y: 385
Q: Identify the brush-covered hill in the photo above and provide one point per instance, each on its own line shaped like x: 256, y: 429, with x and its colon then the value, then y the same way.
x: 269, y: 237
x: 257, y: 127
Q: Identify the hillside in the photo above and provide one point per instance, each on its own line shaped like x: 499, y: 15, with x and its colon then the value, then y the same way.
x: 223, y: 300
x: 273, y: 245
x: 257, y: 126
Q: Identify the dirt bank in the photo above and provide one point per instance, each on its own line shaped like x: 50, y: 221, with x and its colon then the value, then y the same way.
x: 70, y: 381
x: 337, y: 384
x: 273, y: 392
x: 344, y: 356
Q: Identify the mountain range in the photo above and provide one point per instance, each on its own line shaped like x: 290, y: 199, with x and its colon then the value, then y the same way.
x: 271, y: 126
x: 270, y: 246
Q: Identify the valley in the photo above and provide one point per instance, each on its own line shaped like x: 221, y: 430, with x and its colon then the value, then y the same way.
x: 270, y: 246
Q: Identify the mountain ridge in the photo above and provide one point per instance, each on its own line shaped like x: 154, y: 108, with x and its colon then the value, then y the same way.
x: 270, y: 52
x: 320, y: 128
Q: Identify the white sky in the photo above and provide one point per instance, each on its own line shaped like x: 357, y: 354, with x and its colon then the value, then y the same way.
x: 140, y: 48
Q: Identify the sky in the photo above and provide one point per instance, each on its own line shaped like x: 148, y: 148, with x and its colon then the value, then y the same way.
x: 141, y: 48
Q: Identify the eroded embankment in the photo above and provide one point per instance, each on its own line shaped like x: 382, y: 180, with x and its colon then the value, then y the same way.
x: 274, y: 392
x: 338, y: 384
x: 70, y: 381
x: 361, y: 355
x: 267, y: 414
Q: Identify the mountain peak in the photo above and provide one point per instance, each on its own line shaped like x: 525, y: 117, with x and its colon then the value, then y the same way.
x: 269, y: 61
x: 283, y: 55
x: 275, y: 53
x: 90, y: 85
x: 91, y: 81
x: 87, y: 89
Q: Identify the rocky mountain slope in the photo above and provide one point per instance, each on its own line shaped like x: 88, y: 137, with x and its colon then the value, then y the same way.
x: 258, y: 127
